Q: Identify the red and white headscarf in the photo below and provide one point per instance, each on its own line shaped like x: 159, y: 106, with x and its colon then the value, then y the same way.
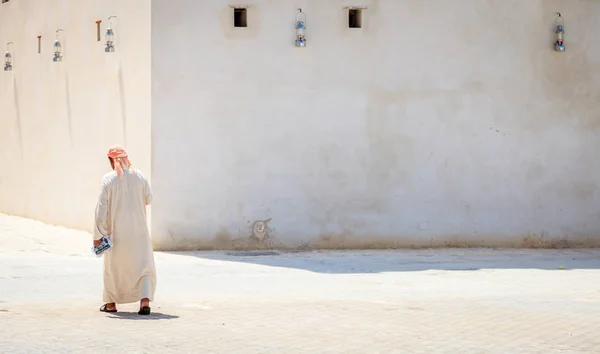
x: 119, y: 156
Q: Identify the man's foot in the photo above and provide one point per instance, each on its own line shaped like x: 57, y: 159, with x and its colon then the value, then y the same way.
x: 109, y: 307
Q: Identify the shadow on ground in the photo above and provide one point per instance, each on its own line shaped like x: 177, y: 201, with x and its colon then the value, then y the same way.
x: 133, y: 316
x: 347, y: 262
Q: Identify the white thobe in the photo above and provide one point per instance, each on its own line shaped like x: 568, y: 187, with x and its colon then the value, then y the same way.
x: 129, y: 271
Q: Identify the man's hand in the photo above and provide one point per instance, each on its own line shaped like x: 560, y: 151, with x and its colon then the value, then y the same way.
x: 97, y: 243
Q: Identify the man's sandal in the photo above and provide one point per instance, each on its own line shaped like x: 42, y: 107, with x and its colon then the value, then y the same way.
x: 105, y: 309
x: 144, y: 310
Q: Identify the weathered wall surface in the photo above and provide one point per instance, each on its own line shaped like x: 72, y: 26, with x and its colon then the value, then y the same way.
x: 57, y: 120
x: 437, y: 123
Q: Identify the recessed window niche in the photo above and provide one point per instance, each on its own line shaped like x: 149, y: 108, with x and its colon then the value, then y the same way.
x: 240, y: 17
x: 354, y: 18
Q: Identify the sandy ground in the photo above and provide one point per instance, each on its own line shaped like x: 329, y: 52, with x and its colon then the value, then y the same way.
x: 418, y: 301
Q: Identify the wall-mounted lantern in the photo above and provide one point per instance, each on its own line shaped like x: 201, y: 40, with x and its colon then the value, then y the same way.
x: 300, y: 27
x: 8, y: 58
x: 110, y: 37
x: 559, y: 23
x: 57, y: 48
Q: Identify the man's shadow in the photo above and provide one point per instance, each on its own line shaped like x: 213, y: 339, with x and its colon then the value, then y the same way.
x: 154, y: 316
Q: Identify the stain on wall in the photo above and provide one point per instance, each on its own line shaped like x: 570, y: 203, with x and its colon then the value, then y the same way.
x: 261, y: 233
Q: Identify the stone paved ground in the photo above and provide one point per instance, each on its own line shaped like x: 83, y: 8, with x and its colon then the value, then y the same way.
x: 422, y: 301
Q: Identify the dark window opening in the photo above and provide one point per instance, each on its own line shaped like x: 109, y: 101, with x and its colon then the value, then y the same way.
x: 354, y: 18
x: 5, y: 1
x: 240, y: 18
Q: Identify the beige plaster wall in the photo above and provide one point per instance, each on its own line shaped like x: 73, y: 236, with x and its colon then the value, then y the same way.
x: 58, y: 119
x: 439, y: 123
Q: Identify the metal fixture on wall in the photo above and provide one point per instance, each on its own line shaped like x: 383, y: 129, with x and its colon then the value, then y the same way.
x: 300, y: 27
x: 8, y: 58
x: 57, y: 48
x: 39, y: 44
x: 110, y: 37
x: 559, y: 44
x: 98, y: 36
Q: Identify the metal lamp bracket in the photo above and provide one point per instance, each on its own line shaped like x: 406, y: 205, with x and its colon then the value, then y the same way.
x: 559, y: 18
x: 98, y: 35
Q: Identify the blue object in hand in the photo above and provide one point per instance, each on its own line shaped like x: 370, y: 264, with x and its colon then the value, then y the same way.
x: 105, y: 245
